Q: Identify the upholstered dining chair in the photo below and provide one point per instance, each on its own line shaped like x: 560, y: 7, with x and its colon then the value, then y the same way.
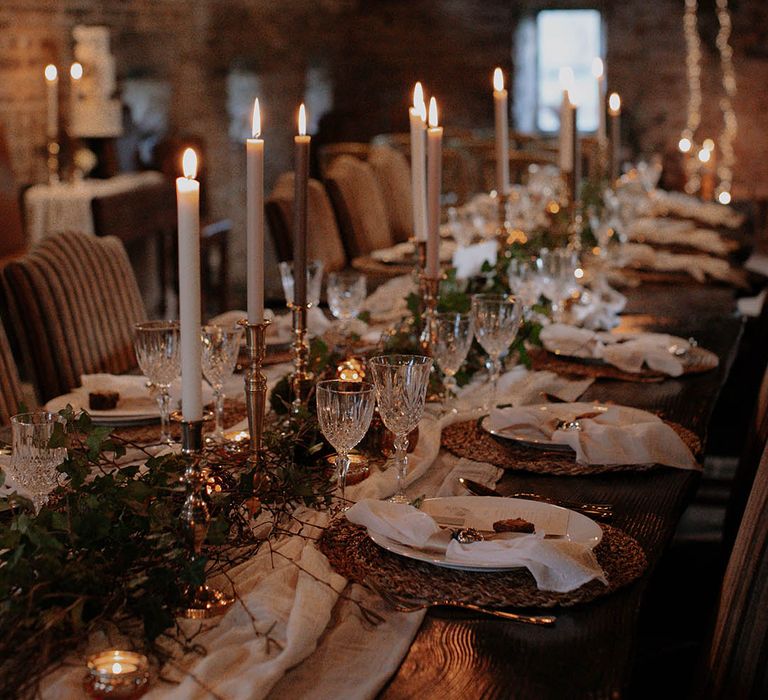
x: 324, y: 240
x: 329, y: 152
x: 394, y: 177
x: 73, y: 301
x: 359, y: 205
x: 735, y: 665
x: 11, y: 393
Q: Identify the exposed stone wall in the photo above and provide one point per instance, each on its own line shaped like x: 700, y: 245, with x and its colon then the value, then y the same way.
x: 363, y: 57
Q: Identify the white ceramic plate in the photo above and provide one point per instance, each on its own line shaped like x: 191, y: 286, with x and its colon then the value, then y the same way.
x: 481, y: 512
x: 135, y: 413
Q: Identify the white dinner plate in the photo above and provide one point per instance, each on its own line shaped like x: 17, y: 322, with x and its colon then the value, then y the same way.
x: 480, y: 512
x: 137, y: 412
x: 533, y: 437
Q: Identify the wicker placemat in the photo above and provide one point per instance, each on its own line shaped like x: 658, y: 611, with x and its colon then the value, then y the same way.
x: 234, y: 412
x: 355, y: 556
x: 696, y: 360
x: 469, y: 440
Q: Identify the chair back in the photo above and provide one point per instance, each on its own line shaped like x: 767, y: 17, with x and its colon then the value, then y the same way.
x: 11, y: 394
x: 73, y: 301
x: 520, y: 163
x: 359, y: 205
x: 394, y: 177
x: 736, y: 662
x: 12, y: 238
x: 329, y: 152
x: 323, y: 240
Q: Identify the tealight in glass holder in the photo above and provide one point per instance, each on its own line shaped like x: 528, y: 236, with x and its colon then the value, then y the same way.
x: 117, y: 674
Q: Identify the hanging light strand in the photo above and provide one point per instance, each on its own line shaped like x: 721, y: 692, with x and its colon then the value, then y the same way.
x: 693, y: 68
x: 730, y: 124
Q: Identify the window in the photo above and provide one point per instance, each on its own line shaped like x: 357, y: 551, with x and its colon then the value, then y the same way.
x: 567, y: 38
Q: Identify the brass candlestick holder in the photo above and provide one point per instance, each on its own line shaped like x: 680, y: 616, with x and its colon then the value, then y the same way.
x: 200, y: 601
x: 429, y: 288
x: 255, y: 385
x: 53, y: 151
x: 301, y: 374
x: 503, y: 225
x: 421, y: 255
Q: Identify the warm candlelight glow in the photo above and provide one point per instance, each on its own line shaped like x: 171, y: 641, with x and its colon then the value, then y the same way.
x: 597, y: 67
x: 724, y: 197
x: 432, y: 113
x: 256, y: 121
x: 302, y: 120
x: 614, y: 103
x: 705, y: 155
x: 566, y: 78
x: 708, y: 145
x: 498, y: 80
x: 189, y: 164
x: 51, y: 74
x: 418, y: 101
x: 684, y: 144
x: 76, y: 71
x: 117, y: 668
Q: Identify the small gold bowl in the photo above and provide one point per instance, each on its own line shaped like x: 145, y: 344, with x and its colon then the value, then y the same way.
x: 115, y: 673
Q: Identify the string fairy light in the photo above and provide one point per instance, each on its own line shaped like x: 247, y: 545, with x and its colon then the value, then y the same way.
x: 693, y: 71
x: 730, y: 124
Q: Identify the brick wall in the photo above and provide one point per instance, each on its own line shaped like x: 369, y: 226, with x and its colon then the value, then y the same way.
x: 367, y: 54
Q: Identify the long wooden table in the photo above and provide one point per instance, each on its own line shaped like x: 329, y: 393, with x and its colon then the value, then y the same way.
x: 588, y: 653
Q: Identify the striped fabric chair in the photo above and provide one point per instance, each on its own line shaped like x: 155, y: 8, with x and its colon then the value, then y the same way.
x: 736, y: 666
x: 11, y: 394
x: 394, y: 177
x: 359, y: 205
x: 73, y: 301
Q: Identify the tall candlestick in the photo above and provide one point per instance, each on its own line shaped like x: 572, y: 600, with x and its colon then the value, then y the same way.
x: 575, y: 157
x: 500, y: 104
x: 614, y: 113
x: 255, y: 219
x: 418, y: 118
x: 52, y: 98
x: 434, y: 172
x: 188, y: 207
x: 301, y: 179
x: 598, y: 70
x: 75, y: 76
x: 565, y: 144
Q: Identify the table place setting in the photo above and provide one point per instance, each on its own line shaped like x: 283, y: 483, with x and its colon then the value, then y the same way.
x: 628, y: 356
x: 403, y: 253
x: 677, y: 232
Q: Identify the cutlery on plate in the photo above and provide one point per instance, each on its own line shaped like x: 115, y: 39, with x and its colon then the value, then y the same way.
x: 402, y: 604
x: 597, y: 510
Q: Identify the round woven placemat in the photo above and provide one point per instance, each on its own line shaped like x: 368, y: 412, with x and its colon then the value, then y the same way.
x: 469, y: 440
x: 696, y: 360
x: 234, y: 412
x: 355, y: 556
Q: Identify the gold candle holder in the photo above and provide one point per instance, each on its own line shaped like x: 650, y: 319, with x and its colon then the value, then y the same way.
x: 53, y: 151
x: 430, y: 291
x: 301, y: 374
x: 200, y: 601
x: 117, y: 674
x: 503, y: 226
x: 421, y: 255
x: 255, y: 385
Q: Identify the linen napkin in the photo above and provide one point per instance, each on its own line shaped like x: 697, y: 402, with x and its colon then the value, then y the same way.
x: 401, y: 252
x: 557, y: 565
x: 664, y: 231
x: 700, y: 267
x: 609, y: 435
x: 132, y: 389
x: 282, y: 326
x: 388, y: 302
x: 679, y: 204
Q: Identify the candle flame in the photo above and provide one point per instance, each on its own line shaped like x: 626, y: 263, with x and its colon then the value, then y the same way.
x: 566, y: 78
x: 597, y: 67
x: 76, y: 70
x: 302, y: 120
x: 418, y: 102
x: 432, y: 113
x: 51, y: 73
x: 189, y: 163
x: 614, y: 102
x: 117, y: 668
x: 498, y: 80
x: 256, y: 121
x: 724, y: 197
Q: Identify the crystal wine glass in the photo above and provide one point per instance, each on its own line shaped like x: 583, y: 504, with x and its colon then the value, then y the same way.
x: 525, y: 281
x: 401, y: 389
x: 33, y: 461
x: 496, y: 319
x: 220, y: 348
x: 558, y: 271
x: 346, y: 295
x: 157, y: 350
x: 454, y: 334
x: 314, y: 281
x: 344, y: 411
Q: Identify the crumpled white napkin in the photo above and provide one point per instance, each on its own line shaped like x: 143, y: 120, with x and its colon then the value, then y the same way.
x: 522, y: 386
x: 609, y: 434
x: 282, y: 326
x: 400, y: 251
x: 700, y: 267
x: 388, y: 302
x: 557, y: 565
x: 664, y: 231
x: 629, y: 352
x: 663, y: 203
x: 598, y: 307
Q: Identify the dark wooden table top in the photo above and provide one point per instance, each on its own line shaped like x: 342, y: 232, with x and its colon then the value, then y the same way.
x: 588, y: 653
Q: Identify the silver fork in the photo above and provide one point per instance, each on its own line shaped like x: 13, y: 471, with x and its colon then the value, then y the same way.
x: 408, y: 605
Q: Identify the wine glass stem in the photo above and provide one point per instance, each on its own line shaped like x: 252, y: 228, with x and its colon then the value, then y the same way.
x: 164, y: 401
x: 218, y: 430
x: 401, y: 462
x: 342, y: 467
x: 450, y: 391
x: 495, y: 371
